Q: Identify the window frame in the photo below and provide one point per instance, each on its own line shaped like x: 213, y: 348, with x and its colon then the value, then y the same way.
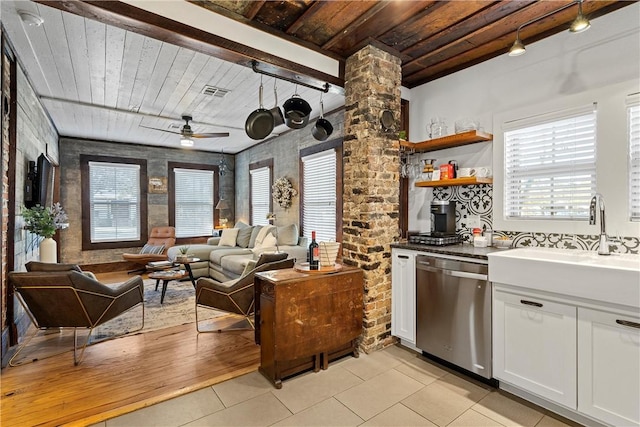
x: 611, y: 161
x: 171, y: 188
x: 267, y: 163
x: 553, y: 136
x: 87, y: 244
x: 335, y: 144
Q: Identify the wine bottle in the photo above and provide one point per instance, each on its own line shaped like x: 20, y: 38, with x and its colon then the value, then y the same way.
x: 314, y: 252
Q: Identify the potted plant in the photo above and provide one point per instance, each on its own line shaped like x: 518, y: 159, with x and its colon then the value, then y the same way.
x: 44, y: 222
x: 184, y: 250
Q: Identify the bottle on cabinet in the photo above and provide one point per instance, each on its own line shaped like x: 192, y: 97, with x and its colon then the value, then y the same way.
x: 314, y: 252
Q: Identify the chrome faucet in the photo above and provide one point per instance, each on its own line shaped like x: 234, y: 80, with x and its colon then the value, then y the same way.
x: 603, y: 247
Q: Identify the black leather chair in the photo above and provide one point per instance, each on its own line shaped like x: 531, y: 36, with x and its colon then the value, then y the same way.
x: 62, y: 296
x: 236, y: 296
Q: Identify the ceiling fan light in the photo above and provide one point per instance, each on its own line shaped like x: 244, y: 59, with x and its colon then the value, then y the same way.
x: 518, y: 48
x: 185, y: 141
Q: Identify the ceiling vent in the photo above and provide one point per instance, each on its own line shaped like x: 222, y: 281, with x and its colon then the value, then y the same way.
x: 215, y: 91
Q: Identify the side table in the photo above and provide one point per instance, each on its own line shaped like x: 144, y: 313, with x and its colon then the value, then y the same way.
x: 304, y: 321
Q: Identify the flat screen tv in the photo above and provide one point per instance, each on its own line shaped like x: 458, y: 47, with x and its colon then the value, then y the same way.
x: 43, y: 184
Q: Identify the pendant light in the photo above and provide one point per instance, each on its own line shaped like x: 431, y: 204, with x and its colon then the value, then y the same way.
x: 581, y: 23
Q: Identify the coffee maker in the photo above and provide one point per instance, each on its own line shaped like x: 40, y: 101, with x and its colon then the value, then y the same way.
x: 444, y: 218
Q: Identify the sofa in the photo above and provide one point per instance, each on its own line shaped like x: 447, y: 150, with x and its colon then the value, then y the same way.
x: 226, y: 257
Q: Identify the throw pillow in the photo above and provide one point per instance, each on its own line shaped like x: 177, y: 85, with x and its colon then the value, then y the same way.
x: 152, y: 250
x: 244, y: 235
x: 288, y: 235
x: 262, y: 233
x: 269, y: 241
x: 229, y: 236
x: 241, y: 224
x: 254, y: 233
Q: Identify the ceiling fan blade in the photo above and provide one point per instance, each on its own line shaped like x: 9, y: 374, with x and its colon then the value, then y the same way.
x: 210, y: 135
x: 161, y: 130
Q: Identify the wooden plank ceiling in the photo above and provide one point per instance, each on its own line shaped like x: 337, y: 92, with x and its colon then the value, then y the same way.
x: 110, y: 71
x: 433, y: 38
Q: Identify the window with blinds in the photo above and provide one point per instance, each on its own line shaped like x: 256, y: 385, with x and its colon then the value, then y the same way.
x: 319, y: 195
x: 550, y: 165
x: 194, y: 207
x: 114, y: 198
x: 260, y: 195
x: 633, y: 126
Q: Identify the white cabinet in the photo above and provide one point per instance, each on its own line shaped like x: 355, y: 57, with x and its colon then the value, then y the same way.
x: 609, y: 366
x: 403, y: 294
x: 534, y: 345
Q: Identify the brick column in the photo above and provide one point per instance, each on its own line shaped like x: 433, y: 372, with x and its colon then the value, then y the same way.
x: 370, y: 177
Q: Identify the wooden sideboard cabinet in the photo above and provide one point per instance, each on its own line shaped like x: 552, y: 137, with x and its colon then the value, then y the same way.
x: 304, y: 321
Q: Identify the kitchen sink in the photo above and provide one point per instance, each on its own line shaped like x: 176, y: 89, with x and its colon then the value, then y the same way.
x: 614, y: 278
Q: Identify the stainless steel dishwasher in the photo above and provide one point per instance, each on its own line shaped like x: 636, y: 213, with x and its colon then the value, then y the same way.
x: 453, y: 312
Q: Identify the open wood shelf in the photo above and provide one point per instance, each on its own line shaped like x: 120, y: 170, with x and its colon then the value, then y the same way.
x: 472, y: 180
x: 456, y: 140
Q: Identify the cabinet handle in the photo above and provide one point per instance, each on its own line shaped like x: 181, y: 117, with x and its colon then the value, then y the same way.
x: 628, y: 323
x: 403, y: 256
x: 535, y: 304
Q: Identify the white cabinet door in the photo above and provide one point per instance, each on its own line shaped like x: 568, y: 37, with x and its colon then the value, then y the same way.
x: 403, y: 294
x: 609, y: 366
x: 534, y: 346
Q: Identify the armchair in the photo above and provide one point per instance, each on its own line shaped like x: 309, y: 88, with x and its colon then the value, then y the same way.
x: 160, y: 240
x: 72, y: 299
x: 237, y: 296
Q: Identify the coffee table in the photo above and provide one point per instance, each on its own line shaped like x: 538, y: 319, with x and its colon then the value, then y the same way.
x: 166, y: 276
x: 187, y: 266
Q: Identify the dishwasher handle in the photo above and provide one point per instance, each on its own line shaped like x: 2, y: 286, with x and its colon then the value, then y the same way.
x: 422, y: 265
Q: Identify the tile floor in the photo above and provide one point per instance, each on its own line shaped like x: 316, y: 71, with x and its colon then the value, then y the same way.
x: 391, y: 387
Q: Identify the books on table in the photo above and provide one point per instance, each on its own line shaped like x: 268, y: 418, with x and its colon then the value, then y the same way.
x: 157, y: 264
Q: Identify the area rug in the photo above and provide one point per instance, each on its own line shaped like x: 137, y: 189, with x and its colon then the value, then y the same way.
x: 177, y: 309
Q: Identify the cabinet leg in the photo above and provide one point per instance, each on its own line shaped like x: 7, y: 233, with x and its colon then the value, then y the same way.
x: 316, y: 362
x: 278, y: 384
x: 325, y: 360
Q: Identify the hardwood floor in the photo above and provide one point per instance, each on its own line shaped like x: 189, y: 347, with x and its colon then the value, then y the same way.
x: 123, y: 374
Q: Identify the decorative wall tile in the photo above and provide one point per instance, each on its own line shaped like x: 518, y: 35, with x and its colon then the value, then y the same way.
x: 472, y: 200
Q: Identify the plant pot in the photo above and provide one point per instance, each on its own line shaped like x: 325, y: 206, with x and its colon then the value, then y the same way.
x: 48, y: 250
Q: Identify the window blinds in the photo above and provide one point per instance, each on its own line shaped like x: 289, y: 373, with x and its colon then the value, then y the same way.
x: 260, y: 195
x: 633, y: 125
x: 194, y: 202
x: 319, y: 195
x: 114, y: 191
x: 550, y: 166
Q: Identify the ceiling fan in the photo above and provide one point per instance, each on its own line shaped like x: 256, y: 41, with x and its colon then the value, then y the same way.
x: 188, y: 135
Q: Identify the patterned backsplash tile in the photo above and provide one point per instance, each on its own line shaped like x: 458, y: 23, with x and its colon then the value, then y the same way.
x: 477, y: 200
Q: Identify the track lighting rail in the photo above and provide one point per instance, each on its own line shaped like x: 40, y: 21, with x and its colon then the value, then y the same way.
x: 254, y: 66
x: 579, y: 24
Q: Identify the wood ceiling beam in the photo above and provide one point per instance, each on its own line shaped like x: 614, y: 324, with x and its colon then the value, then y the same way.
x: 485, y: 17
x: 500, y: 45
x: 139, y: 21
x: 353, y: 27
x: 311, y: 11
x: 255, y: 7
